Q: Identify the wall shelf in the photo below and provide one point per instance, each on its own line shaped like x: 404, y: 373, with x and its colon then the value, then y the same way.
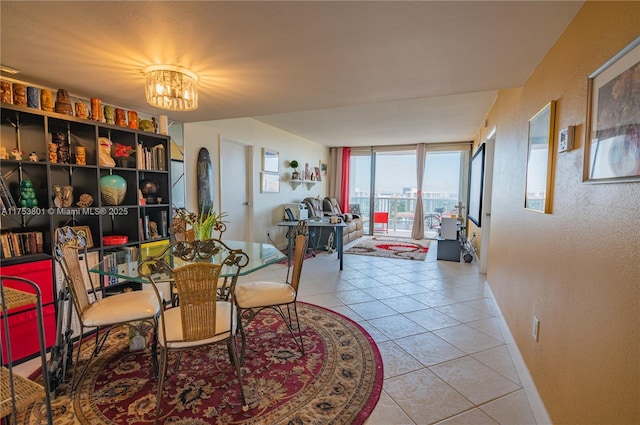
x: 309, y: 183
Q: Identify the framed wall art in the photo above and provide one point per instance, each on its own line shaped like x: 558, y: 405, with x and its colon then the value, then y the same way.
x: 540, y: 160
x: 269, y: 183
x: 270, y: 160
x: 612, y: 136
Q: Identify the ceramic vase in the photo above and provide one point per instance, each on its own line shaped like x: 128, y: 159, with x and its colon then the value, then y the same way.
x: 113, y: 189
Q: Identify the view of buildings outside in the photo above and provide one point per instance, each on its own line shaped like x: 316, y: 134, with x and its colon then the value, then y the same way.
x: 396, y: 187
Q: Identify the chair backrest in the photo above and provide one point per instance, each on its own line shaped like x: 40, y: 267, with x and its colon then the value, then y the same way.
x: 69, y: 246
x: 197, y: 286
x: 298, y: 260
x: 314, y: 206
x: 331, y: 206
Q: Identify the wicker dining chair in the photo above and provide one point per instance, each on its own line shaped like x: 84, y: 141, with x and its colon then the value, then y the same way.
x: 94, y: 312
x: 253, y: 297
x: 203, y: 316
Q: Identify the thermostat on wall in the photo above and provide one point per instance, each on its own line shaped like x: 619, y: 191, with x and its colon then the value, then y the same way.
x: 565, y: 139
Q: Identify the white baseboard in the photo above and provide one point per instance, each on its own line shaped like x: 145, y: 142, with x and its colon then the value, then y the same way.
x: 535, y: 401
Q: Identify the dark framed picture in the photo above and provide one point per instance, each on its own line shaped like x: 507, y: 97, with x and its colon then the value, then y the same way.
x: 86, y: 232
x: 537, y: 195
x: 476, y: 186
x: 612, y: 136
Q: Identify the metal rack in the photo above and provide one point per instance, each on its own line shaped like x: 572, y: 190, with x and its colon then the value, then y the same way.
x: 17, y: 392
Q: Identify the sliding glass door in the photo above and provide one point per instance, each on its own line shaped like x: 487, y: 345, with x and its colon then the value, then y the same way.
x: 383, y: 187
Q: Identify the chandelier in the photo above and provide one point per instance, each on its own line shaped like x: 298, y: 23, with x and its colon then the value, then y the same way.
x: 170, y: 87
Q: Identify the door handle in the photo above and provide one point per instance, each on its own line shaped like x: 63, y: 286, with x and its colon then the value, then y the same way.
x: 248, y: 203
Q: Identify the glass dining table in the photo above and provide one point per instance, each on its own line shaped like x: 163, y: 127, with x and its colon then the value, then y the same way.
x: 122, y: 265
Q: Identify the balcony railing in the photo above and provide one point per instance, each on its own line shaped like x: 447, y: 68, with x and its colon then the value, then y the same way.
x: 402, y: 209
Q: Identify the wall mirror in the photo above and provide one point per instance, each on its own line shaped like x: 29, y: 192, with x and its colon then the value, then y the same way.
x: 540, y: 160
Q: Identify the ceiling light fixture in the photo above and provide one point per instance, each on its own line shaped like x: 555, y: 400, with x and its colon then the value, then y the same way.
x: 171, y: 87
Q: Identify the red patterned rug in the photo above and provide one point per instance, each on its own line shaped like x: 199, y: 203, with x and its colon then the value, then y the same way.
x: 337, y: 381
x: 385, y: 246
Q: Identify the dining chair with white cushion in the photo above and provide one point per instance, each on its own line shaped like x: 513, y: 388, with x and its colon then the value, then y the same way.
x: 253, y: 297
x: 202, y: 317
x: 93, y: 310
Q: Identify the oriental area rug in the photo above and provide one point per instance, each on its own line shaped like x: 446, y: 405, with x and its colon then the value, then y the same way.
x: 389, y: 247
x: 337, y: 381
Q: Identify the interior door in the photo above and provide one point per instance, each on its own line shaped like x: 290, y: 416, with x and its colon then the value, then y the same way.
x: 235, y: 165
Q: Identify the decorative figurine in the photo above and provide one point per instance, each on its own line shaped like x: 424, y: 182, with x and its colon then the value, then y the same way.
x: 81, y: 110
x: 63, y: 196
x: 17, y: 154
x: 19, y: 94
x: 96, y: 109
x: 33, y: 97
x: 33, y: 157
x: 153, y: 230
x: 27, y: 195
x: 104, y: 155
x: 133, y: 119
x: 3, y: 153
x: 6, y: 95
x: 46, y: 100
x: 109, y: 114
x: 81, y: 155
x: 53, y: 153
x: 85, y: 201
x: 121, y: 117
x: 63, y: 103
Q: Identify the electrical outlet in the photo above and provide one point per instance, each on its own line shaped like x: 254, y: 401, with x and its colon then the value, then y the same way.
x: 535, y: 331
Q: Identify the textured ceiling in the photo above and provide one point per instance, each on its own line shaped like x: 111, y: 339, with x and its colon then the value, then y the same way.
x: 340, y: 73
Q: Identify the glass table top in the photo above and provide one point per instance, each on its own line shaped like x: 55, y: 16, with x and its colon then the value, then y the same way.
x: 122, y: 265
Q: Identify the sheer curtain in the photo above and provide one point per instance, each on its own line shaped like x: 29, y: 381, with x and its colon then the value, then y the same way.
x: 417, y: 231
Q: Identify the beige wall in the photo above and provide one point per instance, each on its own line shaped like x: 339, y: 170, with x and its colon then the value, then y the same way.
x: 267, y: 207
x: 578, y: 268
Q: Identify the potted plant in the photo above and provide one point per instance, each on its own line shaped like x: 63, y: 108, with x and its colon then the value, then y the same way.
x: 294, y: 164
x: 123, y: 155
x: 205, y: 223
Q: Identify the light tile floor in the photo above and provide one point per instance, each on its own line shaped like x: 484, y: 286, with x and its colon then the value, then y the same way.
x: 445, y: 358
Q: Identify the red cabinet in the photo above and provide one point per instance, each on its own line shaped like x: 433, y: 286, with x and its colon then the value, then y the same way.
x: 23, y: 324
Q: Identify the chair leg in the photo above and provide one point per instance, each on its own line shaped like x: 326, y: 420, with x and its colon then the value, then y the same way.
x: 154, y: 348
x: 297, y: 339
x: 289, y: 322
x: 98, y: 346
x: 163, y: 372
x: 243, y: 337
x: 75, y: 379
x: 234, y: 359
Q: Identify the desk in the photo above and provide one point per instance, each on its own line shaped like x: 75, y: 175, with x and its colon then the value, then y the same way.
x: 122, y: 266
x: 338, y: 227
